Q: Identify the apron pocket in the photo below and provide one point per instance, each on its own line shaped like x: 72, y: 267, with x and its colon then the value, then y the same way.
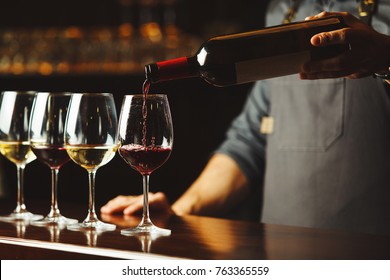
x: 308, y: 114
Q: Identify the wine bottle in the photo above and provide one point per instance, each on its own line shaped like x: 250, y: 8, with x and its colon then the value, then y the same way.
x: 246, y: 57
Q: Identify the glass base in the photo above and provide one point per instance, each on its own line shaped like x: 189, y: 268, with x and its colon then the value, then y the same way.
x: 149, y: 229
x: 54, y: 220
x: 20, y: 216
x: 91, y: 225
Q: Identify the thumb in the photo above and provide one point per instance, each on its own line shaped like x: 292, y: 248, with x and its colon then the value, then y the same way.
x: 328, y: 38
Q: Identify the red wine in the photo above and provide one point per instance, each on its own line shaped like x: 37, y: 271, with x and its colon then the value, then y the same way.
x: 144, y: 159
x: 53, y: 156
x: 250, y: 56
x: 146, y: 87
x: 145, y: 90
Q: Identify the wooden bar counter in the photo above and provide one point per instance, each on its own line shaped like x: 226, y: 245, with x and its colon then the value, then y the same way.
x: 192, y: 237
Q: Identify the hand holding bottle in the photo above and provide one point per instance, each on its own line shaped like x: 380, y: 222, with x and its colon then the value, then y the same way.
x: 369, y: 51
x: 250, y: 56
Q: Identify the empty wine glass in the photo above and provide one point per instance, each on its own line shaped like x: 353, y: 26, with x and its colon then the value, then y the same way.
x: 15, y: 108
x: 47, y: 142
x: 146, y: 139
x: 91, y: 141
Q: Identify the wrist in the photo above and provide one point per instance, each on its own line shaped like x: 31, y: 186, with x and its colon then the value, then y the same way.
x: 385, y: 72
x: 384, y: 75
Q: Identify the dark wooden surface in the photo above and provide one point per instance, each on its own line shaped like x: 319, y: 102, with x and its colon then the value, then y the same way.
x: 192, y: 237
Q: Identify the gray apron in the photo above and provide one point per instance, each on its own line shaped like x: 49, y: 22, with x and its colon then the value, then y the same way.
x: 328, y: 159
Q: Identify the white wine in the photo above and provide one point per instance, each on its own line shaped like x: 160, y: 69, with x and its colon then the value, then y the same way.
x: 19, y: 152
x: 91, y: 157
x: 251, y: 56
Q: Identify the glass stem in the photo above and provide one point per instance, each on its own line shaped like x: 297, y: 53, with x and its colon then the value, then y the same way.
x: 91, y: 210
x: 20, y: 206
x: 145, y: 217
x: 55, y: 212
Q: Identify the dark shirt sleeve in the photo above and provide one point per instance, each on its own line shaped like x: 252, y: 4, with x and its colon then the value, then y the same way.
x: 244, y: 143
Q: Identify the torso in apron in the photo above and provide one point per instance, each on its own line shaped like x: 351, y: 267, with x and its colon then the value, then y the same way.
x: 327, y: 162
x: 328, y: 159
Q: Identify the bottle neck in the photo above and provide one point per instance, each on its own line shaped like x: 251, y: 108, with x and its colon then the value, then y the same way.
x: 178, y: 68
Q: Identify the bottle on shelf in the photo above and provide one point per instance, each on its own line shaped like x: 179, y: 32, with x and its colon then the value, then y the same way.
x: 250, y: 56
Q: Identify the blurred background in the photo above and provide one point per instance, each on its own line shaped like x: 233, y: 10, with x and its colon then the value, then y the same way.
x: 96, y: 46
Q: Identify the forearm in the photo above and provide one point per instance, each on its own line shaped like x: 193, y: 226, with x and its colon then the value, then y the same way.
x: 219, y: 187
x: 386, y: 57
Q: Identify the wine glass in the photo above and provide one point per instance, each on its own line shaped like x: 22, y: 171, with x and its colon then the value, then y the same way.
x: 91, y: 141
x: 15, y: 108
x: 47, y: 142
x: 146, y: 139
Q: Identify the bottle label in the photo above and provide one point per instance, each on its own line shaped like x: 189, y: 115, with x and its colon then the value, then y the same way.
x: 268, y: 67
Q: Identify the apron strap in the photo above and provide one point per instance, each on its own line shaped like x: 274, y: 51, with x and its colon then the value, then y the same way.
x: 292, y: 11
x: 367, y: 8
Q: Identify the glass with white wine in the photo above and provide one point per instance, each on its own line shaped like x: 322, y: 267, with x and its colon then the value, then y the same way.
x: 91, y: 140
x: 15, y: 108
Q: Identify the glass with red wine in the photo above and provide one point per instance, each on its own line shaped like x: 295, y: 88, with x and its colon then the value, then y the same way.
x: 146, y: 139
x: 47, y: 142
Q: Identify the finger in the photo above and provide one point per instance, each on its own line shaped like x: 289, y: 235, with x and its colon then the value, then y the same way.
x: 157, y: 201
x: 344, y: 62
x: 335, y: 68
x: 158, y: 197
x: 331, y: 75
x: 120, y: 199
x: 324, y: 14
x: 319, y: 15
x: 331, y: 38
x: 321, y: 75
x: 359, y: 75
x: 117, y: 204
x: 135, y: 207
x: 349, y: 61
